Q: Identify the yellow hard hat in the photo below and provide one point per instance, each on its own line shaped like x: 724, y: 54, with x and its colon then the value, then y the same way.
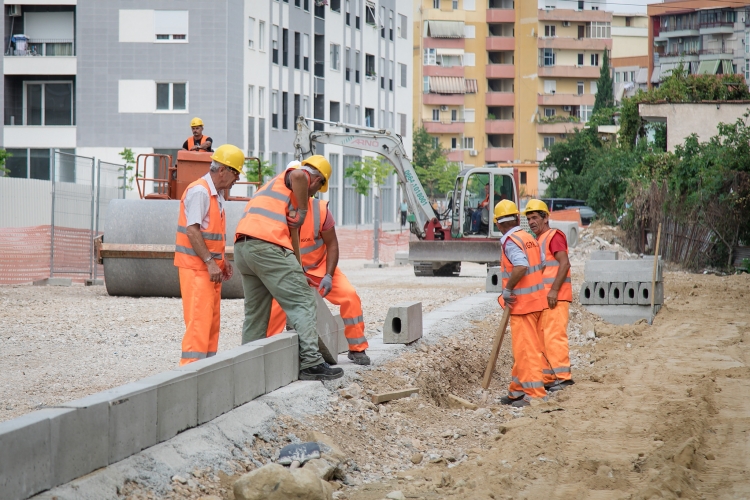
x: 196, y: 122
x: 229, y: 156
x: 505, y: 208
x: 536, y: 206
x: 319, y: 163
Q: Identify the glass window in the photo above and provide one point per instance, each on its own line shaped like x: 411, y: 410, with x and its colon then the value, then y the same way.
x: 261, y: 35
x: 251, y: 33
x: 549, y: 30
x: 468, y: 143
x: 426, y: 84
x: 580, y: 59
x: 34, y: 104
x: 39, y: 164
x: 430, y: 57
x: 335, y: 56
x: 584, y: 113
x: 617, y: 77
x: 179, y: 96
x: 435, y: 4
x: 370, y: 13
x: 261, y: 101
x: 595, y: 59
x: 549, y: 112
x: 548, y: 142
x: 436, y: 115
x: 171, y: 96
x: 747, y: 69
x: 17, y: 163
x: 598, y: 30
x: 593, y: 87
x: 549, y: 57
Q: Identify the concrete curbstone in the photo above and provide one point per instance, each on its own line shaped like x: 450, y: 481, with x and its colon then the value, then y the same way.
x: 645, y: 291
x: 622, y: 315
x: 248, y: 372
x: 133, y: 416
x: 403, y: 324
x: 280, y: 359
x: 631, y: 293
x: 343, y: 343
x: 80, y: 438
x: 621, y: 270
x: 616, y: 294
x: 586, y: 295
x: 328, y: 332
x: 494, y: 281
x: 601, y: 294
x: 176, y: 402
x: 402, y: 258
x: 569, y: 228
x: 215, y: 386
x: 605, y: 255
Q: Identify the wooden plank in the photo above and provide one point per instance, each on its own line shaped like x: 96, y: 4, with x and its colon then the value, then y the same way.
x: 390, y: 396
x: 140, y: 251
x: 456, y: 401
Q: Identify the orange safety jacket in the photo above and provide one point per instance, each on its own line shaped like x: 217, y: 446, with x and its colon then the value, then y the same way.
x: 312, y: 248
x: 191, y: 142
x: 529, y: 291
x: 266, y: 212
x: 551, y: 267
x: 214, y: 235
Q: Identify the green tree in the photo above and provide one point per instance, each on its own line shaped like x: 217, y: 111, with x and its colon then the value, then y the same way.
x: 267, y: 170
x: 433, y: 169
x: 372, y: 172
x: 604, y: 92
x: 4, y: 155
x: 127, y: 170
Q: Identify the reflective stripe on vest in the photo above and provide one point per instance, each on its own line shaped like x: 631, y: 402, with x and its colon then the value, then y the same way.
x: 265, y: 214
x: 213, y: 236
x: 552, y: 266
x: 312, y: 248
x: 529, y: 291
x: 191, y: 142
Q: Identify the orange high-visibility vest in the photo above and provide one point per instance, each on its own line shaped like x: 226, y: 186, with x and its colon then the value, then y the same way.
x: 311, y: 247
x: 529, y: 291
x: 214, y: 235
x: 266, y: 212
x: 551, y: 266
x: 191, y: 142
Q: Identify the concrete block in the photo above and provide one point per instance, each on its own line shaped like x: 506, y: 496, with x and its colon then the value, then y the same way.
x: 616, y: 294
x: 26, y: 454
x: 494, y: 281
x: 133, y: 414
x: 328, y: 332
x: 605, y: 255
x: 586, y: 295
x: 645, y: 292
x: 375, y: 265
x: 631, y: 293
x: 621, y: 271
x: 622, y: 315
x: 280, y: 359
x: 248, y: 372
x: 343, y: 343
x: 402, y: 258
x: 215, y: 386
x: 569, y: 228
x: 54, y: 282
x: 403, y: 324
x: 177, y: 402
x: 601, y: 294
x: 80, y: 438
x: 93, y: 282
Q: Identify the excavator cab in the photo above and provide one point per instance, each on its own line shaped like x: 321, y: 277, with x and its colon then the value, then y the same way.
x: 476, y: 192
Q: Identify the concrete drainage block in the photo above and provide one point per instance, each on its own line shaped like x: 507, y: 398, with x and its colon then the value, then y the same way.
x: 248, y: 372
x: 645, y: 291
x: 215, y: 386
x: 616, y: 294
x: 494, y: 282
x: 605, y: 255
x: 280, y: 359
x: 601, y: 294
x: 402, y: 258
x: 328, y: 332
x: 586, y: 295
x: 343, y: 343
x: 403, y: 324
x: 631, y: 293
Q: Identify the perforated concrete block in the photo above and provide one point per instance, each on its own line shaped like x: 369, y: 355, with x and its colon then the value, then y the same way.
x: 621, y: 271
x: 605, y: 255
x: 176, y: 402
x: 133, y: 427
x: 586, y: 295
x: 343, y: 343
x: 631, y: 293
x: 616, y: 294
x: 26, y: 454
x: 280, y: 359
x: 403, y: 324
x: 494, y: 281
x: 645, y: 291
x: 328, y: 332
x: 215, y: 386
x: 601, y: 294
x: 80, y: 438
x: 248, y: 372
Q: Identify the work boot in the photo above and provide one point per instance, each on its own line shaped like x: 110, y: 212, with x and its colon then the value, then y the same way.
x: 558, y: 386
x: 507, y: 400
x: 322, y: 371
x: 520, y: 403
x: 359, y: 357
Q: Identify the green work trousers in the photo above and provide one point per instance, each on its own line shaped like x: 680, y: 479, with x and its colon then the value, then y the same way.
x: 272, y: 272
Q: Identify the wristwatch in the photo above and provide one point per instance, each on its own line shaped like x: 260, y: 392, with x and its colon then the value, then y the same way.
x: 208, y: 259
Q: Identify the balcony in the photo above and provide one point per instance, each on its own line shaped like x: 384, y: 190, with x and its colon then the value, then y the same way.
x: 560, y: 42
x: 435, y: 70
x: 498, y: 126
x: 500, y: 71
x: 677, y: 33
x: 492, y: 155
x: 575, y: 15
x: 711, y: 54
x: 566, y: 99
x: 565, y: 125
x: 40, y: 57
x: 569, y: 71
x: 715, y: 28
x: 444, y: 43
x: 500, y: 43
x: 499, y: 99
x: 443, y: 99
x: 433, y: 127
x: 501, y: 16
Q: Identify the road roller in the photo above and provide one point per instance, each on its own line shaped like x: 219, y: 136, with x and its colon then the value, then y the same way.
x: 138, y: 244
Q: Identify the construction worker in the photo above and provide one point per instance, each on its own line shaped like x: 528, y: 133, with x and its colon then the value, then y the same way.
x: 263, y: 253
x: 476, y: 215
x: 198, y: 141
x: 199, y: 253
x: 319, y: 248
x: 554, y: 248
x: 523, y: 292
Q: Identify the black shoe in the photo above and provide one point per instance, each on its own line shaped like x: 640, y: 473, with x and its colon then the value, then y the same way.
x: 322, y: 371
x: 520, y: 403
x: 558, y: 386
x: 507, y: 400
x: 359, y: 357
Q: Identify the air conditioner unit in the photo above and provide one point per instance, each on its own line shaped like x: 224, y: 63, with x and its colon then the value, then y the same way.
x: 566, y: 24
x: 14, y: 10
x: 566, y: 108
x: 443, y: 108
x: 473, y: 152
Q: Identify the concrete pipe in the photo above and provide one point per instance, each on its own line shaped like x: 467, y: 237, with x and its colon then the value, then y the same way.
x: 154, y: 222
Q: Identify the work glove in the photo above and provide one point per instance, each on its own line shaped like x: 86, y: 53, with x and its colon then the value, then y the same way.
x: 325, y: 285
x: 296, y: 218
x: 508, y: 297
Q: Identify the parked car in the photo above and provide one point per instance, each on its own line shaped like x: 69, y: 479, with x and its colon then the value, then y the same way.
x: 587, y: 214
x: 563, y: 203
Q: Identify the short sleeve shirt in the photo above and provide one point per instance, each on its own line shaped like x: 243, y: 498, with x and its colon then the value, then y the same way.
x: 515, y: 255
x: 329, y: 221
x: 558, y: 243
x: 198, y: 200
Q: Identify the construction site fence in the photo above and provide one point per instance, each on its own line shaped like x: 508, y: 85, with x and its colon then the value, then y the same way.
x: 47, y: 227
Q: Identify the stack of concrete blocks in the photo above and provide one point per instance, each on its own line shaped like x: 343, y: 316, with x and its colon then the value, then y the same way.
x: 53, y: 446
x: 620, y: 291
x: 403, y: 323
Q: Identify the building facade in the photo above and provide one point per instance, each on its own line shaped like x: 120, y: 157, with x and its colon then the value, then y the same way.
x: 629, y: 58
x: 95, y: 77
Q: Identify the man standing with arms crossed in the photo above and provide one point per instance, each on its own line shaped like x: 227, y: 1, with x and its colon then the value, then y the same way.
x: 199, y: 253
x: 554, y: 248
x: 263, y: 253
x: 524, y: 293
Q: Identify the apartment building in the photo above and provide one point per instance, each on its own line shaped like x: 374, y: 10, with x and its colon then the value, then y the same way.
x: 629, y: 57
x: 707, y: 37
x: 94, y: 77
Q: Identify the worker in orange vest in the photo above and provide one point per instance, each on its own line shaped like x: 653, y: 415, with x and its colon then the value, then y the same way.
x: 319, y: 248
x: 523, y: 292
x: 198, y: 142
x: 199, y: 253
x: 554, y: 248
x: 263, y: 253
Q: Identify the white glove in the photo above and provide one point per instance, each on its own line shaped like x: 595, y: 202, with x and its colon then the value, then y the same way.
x: 325, y: 285
x: 508, y: 296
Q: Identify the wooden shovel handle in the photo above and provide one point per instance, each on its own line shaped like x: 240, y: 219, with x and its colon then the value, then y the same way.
x: 496, y: 348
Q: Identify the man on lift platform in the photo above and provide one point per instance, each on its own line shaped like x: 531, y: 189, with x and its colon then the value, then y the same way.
x: 198, y: 141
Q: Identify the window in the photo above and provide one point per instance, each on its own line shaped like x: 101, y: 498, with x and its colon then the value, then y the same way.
x: 430, y: 57
x: 594, y: 7
x: 274, y: 109
x: 585, y: 112
x: 49, y: 103
x: 524, y: 178
x: 356, y: 66
x: 261, y: 35
x: 593, y: 87
x: 402, y: 26
x: 426, y: 84
x: 305, y: 106
x: 382, y: 73
x: 632, y: 76
x: 435, y: 143
x: 454, y: 142
x: 402, y: 70
x: 358, y: 8
x: 285, y: 110
x: 171, y: 96
x: 251, y: 33
x: 595, y: 59
x: 468, y: 143
x: 347, y: 18
x: 275, y: 44
x: 297, y: 3
x: 390, y: 26
x: 335, y: 56
x: 436, y: 114
x: 470, y: 31
x: 617, y: 77
x: 306, y: 5
x: 347, y: 64
x: 402, y: 124
x: 171, y: 25
x: 335, y: 6
x: 455, y: 4
x: 469, y: 59
x: 297, y: 108
x: 549, y: 30
x: 549, y: 57
x: 469, y: 115
x: 580, y: 88
x: 334, y: 111
x: 305, y: 52
x: 625, y: 76
x: 357, y: 116
x: 382, y: 22
x: 250, y: 99
x: 370, y: 14
x: 747, y: 42
x: 435, y: 4
x: 297, y: 47
x: 549, y: 112
x: 35, y: 164
x: 598, y: 30
x: 580, y: 4
x: 550, y: 86
x: 580, y: 59
x: 548, y: 142
x: 285, y: 47
x: 261, y: 101
x: 370, y: 65
x: 454, y: 115
x: 369, y: 117
x: 747, y: 69
x: 391, y: 74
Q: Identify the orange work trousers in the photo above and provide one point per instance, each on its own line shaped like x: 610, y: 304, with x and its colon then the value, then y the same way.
x: 201, y: 306
x: 554, y: 339
x: 528, y: 361
x: 342, y: 294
